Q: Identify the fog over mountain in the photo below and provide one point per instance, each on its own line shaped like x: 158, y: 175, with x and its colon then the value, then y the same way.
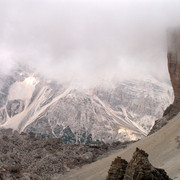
x: 87, y: 41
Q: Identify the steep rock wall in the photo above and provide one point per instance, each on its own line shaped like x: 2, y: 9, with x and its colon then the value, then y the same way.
x: 173, y: 56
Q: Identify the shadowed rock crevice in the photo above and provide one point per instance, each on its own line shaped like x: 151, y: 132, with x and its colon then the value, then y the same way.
x: 139, y: 168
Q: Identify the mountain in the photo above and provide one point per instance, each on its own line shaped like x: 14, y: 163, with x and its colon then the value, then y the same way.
x: 125, y: 111
x: 162, y: 144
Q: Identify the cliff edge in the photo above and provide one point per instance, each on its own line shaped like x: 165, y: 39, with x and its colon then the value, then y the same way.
x: 173, y: 56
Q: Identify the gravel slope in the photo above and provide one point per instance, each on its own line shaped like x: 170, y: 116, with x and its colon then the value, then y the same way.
x: 163, y: 148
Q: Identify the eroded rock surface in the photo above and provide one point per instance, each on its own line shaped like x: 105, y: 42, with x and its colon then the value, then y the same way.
x: 139, y: 168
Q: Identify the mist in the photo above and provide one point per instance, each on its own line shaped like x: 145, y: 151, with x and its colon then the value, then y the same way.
x: 87, y: 42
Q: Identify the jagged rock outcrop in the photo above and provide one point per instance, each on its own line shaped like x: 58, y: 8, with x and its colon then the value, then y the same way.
x: 117, y: 169
x: 139, y: 168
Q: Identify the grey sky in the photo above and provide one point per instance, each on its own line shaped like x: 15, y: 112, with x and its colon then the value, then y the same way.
x: 87, y: 40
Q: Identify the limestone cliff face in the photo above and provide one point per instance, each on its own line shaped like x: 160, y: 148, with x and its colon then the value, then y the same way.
x: 173, y: 56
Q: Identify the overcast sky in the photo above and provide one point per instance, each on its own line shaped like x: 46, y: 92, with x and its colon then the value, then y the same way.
x: 87, y: 40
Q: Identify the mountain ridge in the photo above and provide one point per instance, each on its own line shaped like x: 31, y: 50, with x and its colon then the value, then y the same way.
x: 124, y: 112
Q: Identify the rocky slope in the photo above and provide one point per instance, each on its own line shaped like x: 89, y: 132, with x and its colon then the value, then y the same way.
x: 126, y: 111
x: 162, y: 147
x: 27, y: 156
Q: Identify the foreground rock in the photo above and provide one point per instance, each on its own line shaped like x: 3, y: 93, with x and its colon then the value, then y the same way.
x: 117, y: 170
x: 139, y: 168
x: 27, y: 156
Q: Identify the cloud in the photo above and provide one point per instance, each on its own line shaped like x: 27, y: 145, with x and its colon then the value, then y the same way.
x: 87, y: 41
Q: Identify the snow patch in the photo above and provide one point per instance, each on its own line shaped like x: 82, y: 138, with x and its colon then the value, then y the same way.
x: 23, y: 90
